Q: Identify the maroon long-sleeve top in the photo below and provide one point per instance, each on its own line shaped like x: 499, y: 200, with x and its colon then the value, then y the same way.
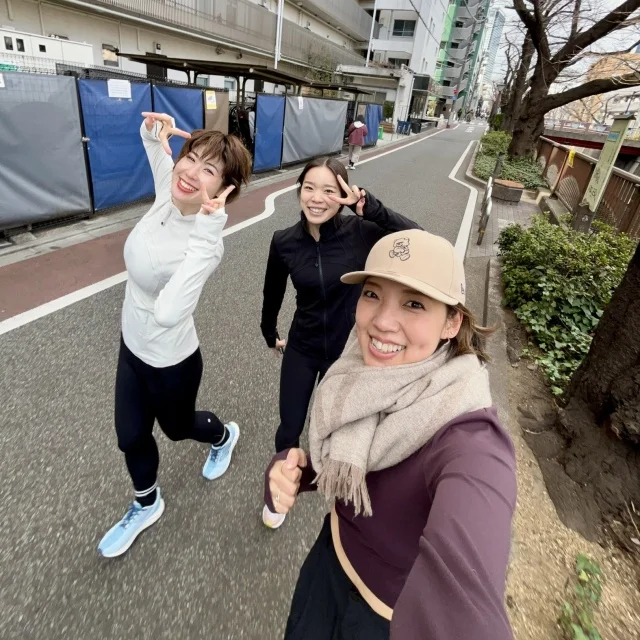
x: 437, y: 546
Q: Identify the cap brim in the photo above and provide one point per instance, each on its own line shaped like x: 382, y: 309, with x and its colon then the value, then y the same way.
x: 358, y: 277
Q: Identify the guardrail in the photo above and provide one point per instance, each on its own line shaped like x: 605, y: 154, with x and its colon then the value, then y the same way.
x: 568, y: 180
x: 587, y: 127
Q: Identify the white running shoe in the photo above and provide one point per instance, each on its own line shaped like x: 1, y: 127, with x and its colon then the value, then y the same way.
x: 272, y: 520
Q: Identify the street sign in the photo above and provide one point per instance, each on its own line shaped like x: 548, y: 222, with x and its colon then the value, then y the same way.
x: 606, y: 161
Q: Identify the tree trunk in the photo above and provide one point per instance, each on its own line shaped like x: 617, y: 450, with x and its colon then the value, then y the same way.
x: 608, y: 381
x: 528, y: 128
x: 530, y: 123
x: 512, y: 110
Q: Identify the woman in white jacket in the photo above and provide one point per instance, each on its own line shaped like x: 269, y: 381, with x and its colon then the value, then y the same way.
x: 169, y: 256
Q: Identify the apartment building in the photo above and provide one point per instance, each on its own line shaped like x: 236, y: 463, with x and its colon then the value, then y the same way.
x: 458, y: 66
x: 317, y: 35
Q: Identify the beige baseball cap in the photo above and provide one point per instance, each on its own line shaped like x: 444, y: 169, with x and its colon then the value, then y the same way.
x: 418, y: 259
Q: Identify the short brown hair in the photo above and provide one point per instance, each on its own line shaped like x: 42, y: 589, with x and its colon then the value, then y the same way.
x: 472, y: 337
x: 333, y: 164
x: 226, y: 148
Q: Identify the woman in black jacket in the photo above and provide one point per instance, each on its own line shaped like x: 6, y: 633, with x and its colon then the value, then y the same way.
x: 315, y: 253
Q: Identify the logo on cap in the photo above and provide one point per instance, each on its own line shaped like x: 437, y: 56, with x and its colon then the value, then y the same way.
x: 400, y: 249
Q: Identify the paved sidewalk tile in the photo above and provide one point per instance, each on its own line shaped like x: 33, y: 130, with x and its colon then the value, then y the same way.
x: 502, y: 215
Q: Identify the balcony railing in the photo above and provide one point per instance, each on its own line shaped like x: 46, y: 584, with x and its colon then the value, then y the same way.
x: 452, y: 73
x: 457, y: 54
x: 347, y: 15
x: 467, y: 9
x: 238, y: 22
x: 461, y: 33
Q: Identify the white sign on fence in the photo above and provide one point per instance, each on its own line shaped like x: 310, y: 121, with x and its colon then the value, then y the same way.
x: 119, y: 89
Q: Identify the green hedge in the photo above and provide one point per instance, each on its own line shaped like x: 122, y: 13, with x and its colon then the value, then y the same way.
x: 558, y: 282
x: 522, y: 170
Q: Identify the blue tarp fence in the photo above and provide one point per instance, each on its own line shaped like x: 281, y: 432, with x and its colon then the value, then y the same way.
x: 119, y: 169
x: 372, y: 118
x: 185, y: 105
x: 269, y: 131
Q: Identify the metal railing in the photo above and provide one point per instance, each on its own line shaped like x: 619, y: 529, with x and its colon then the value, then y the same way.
x: 239, y: 22
x: 347, y: 14
x: 587, y: 127
x: 620, y: 203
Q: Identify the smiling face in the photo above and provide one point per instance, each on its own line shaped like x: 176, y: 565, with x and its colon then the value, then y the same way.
x: 397, y: 325
x: 191, y: 173
x: 318, y: 184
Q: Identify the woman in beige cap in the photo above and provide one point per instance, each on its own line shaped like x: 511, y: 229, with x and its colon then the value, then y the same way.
x: 405, y: 441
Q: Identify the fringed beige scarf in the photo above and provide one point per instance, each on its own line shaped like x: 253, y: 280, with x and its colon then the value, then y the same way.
x: 371, y: 418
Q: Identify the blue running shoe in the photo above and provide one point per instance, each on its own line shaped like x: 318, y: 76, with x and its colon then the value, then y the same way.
x: 219, y: 458
x: 122, y: 535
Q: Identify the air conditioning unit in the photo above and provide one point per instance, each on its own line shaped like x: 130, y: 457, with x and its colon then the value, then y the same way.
x: 264, y: 3
x: 308, y: 25
x: 157, y: 47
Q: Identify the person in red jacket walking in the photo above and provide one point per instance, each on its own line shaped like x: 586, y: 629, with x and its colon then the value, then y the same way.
x: 357, y: 133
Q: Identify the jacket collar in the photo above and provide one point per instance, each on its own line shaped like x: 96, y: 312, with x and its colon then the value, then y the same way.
x: 327, y: 229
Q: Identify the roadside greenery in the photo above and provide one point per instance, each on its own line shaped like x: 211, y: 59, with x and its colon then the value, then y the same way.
x: 583, y: 593
x: 524, y: 170
x: 558, y: 282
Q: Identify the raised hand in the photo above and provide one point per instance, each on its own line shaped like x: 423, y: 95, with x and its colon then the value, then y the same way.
x: 353, y: 195
x: 213, y: 205
x: 284, y: 480
x: 168, y: 127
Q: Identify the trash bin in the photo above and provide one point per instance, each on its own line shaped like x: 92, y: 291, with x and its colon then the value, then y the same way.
x: 416, y: 126
x: 380, y: 132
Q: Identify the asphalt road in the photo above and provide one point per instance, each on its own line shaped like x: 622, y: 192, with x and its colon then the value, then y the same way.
x: 208, y: 568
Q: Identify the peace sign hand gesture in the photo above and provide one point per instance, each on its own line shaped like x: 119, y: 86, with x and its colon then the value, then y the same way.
x: 168, y: 127
x: 353, y: 195
x: 213, y: 205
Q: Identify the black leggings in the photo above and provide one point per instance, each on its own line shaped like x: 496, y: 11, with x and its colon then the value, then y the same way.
x: 297, y: 379
x: 144, y: 394
x: 326, y: 605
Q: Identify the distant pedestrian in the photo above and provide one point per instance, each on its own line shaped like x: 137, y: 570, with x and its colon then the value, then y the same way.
x: 169, y: 256
x: 405, y: 443
x: 357, y: 134
x: 316, y: 252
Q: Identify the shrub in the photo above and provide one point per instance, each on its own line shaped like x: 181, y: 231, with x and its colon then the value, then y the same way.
x: 558, y: 282
x: 495, y: 142
x: 524, y: 170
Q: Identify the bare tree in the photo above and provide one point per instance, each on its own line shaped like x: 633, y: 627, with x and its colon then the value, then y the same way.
x: 565, y: 33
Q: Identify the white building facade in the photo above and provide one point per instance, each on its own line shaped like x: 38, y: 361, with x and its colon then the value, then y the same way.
x: 316, y: 34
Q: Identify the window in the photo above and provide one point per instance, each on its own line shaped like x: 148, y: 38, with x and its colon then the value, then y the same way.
x: 404, y: 28
x: 8, y: 43
x: 202, y: 81
x: 230, y: 85
x: 109, y: 55
x: 20, y: 44
x: 42, y: 48
x: 459, y: 24
x: 455, y: 45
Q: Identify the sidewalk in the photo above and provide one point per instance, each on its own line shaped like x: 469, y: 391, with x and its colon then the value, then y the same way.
x: 543, y: 550
x: 502, y: 215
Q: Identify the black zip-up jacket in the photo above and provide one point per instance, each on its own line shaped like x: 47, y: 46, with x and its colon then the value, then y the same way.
x: 325, y: 307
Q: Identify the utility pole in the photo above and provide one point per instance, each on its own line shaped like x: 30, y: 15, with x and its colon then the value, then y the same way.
x: 278, y: 33
x: 373, y: 24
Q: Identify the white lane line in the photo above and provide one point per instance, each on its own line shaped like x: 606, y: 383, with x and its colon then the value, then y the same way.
x: 464, y: 232
x: 86, y: 292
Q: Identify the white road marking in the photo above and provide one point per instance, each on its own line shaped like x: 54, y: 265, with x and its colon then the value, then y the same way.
x: 269, y: 209
x: 464, y: 232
